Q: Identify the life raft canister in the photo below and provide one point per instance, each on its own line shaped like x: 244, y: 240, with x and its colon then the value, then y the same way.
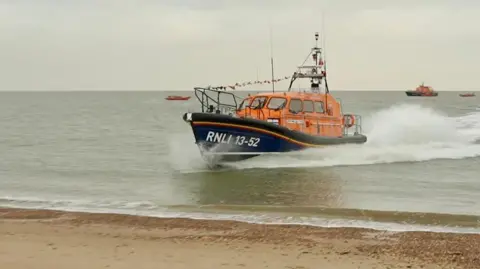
x: 348, y: 120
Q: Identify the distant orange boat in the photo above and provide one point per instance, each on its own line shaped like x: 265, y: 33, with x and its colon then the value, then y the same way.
x: 176, y: 97
x: 422, y: 90
x: 472, y: 94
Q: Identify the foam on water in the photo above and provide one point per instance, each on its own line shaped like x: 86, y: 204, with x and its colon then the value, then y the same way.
x: 184, y: 154
x: 401, y: 133
x: 269, y: 218
x: 104, y: 204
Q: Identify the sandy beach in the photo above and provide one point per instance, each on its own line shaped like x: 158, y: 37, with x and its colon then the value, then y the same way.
x: 56, y: 239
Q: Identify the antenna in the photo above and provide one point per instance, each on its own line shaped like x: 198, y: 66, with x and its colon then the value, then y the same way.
x: 271, y: 58
x: 324, y: 56
x: 324, y: 51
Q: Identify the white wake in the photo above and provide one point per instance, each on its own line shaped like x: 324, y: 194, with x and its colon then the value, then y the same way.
x: 401, y: 133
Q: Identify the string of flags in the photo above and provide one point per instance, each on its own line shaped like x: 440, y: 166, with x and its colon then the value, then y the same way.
x: 239, y: 85
x: 316, y: 58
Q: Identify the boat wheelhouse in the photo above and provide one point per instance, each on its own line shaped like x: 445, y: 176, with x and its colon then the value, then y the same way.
x: 273, y: 122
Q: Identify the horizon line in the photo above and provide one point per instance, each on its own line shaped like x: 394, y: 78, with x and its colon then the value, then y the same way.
x: 232, y: 91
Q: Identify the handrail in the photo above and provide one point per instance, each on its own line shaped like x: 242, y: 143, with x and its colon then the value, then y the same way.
x: 357, y: 125
x: 205, y: 99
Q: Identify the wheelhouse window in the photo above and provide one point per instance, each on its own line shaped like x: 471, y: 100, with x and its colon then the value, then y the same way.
x: 308, y: 106
x: 319, y: 108
x: 258, y: 102
x: 244, y: 104
x: 295, y: 106
x: 277, y: 103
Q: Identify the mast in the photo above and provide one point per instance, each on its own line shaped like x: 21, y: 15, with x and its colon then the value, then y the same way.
x: 273, y: 82
x: 327, y: 91
x: 324, y: 45
x: 315, y: 72
x: 271, y: 59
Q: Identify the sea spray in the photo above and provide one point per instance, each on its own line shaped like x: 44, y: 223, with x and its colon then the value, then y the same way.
x: 184, y: 153
x: 401, y: 133
x: 409, y: 124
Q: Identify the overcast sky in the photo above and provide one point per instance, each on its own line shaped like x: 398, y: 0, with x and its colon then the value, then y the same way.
x: 179, y: 44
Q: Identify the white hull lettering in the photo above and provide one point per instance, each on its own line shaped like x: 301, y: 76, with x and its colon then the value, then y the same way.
x: 224, y: 138
x: 218, y: 137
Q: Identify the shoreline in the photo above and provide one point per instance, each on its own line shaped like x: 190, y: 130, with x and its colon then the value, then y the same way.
x: 28, y: 232
x: 381, y: 220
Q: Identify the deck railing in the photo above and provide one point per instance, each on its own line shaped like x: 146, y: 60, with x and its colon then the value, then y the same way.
x: 211, y: 100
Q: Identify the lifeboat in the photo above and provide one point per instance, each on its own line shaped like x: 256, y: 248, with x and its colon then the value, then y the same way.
x: 176, y: 97
x: 472, y: 94
x: 273, y: 122
x: 422, y: 90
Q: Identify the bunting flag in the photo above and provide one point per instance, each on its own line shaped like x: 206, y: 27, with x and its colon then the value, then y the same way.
x: 248, y: 83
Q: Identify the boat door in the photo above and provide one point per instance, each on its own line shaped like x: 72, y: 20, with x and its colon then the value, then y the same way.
x: 255, y: 108
x: 311, y: 118
x: 275, y: 110
x: 316, y: 120
x: 295, y: 117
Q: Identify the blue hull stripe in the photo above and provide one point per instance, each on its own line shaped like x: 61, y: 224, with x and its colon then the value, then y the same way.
x: 242, y: 140
x: 253, y: 129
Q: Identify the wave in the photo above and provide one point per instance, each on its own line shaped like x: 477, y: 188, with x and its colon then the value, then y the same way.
x: 41, y: 203
x: 145, y: 208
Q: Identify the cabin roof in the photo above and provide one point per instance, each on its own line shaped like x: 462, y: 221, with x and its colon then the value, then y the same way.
x: 290, y: 94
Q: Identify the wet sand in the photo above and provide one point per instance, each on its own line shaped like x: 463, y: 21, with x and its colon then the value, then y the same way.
x: 56, y: 239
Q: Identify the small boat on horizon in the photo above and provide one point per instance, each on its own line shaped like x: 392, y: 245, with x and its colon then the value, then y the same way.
x: 273, y: 122
x: 422, y: 90
x: 177, y: 97
x: 471, y: 94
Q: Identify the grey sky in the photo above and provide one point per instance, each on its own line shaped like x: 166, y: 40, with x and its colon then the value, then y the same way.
x: 179, y: 44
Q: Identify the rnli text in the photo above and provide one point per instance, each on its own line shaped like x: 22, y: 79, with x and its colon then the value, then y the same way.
x: 224, y: 138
